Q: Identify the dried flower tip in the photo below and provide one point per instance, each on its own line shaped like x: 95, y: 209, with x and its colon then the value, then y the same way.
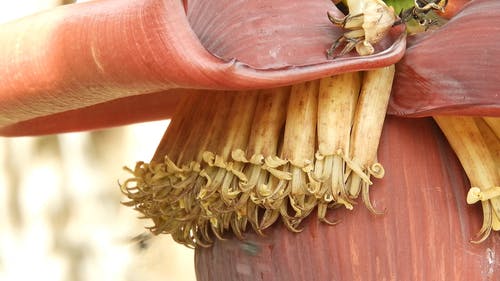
x: 368, y: 22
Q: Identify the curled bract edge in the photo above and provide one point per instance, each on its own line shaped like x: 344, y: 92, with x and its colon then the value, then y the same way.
x: 82, y: 61
x: 452, y: 70
x: 83, y: 64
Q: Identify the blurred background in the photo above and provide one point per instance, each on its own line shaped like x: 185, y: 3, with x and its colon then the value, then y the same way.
x: 60, y: 212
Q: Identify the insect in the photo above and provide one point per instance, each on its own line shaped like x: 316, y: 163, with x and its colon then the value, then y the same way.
x: 420, y: 10
x: 142, y: 240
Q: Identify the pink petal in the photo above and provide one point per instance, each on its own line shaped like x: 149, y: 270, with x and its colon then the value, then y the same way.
x: 59, y: 65
x: 454, y: 70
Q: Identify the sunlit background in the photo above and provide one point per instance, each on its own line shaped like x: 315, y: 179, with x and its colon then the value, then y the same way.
x: 60, y: 212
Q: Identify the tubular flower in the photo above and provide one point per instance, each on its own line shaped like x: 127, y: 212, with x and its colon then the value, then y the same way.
x: 256, y: 156
x: 265, y: 126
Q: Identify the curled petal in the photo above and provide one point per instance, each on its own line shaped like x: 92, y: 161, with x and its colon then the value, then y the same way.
x: 453, y: 70
x: 75, y: 67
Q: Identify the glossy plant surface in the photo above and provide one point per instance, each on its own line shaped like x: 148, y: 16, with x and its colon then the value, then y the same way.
x: 424, y: 234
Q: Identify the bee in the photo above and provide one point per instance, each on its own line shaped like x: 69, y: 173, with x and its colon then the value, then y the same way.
x: 419, y: 12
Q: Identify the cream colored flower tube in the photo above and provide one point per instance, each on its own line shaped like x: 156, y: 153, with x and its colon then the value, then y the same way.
x: 494, y: 124
x: 468, y: 136
x: 263, y: 190
x: 337, y: 100
x: 220, y: 195
x: 299, y: 144
x: 367, y: 128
